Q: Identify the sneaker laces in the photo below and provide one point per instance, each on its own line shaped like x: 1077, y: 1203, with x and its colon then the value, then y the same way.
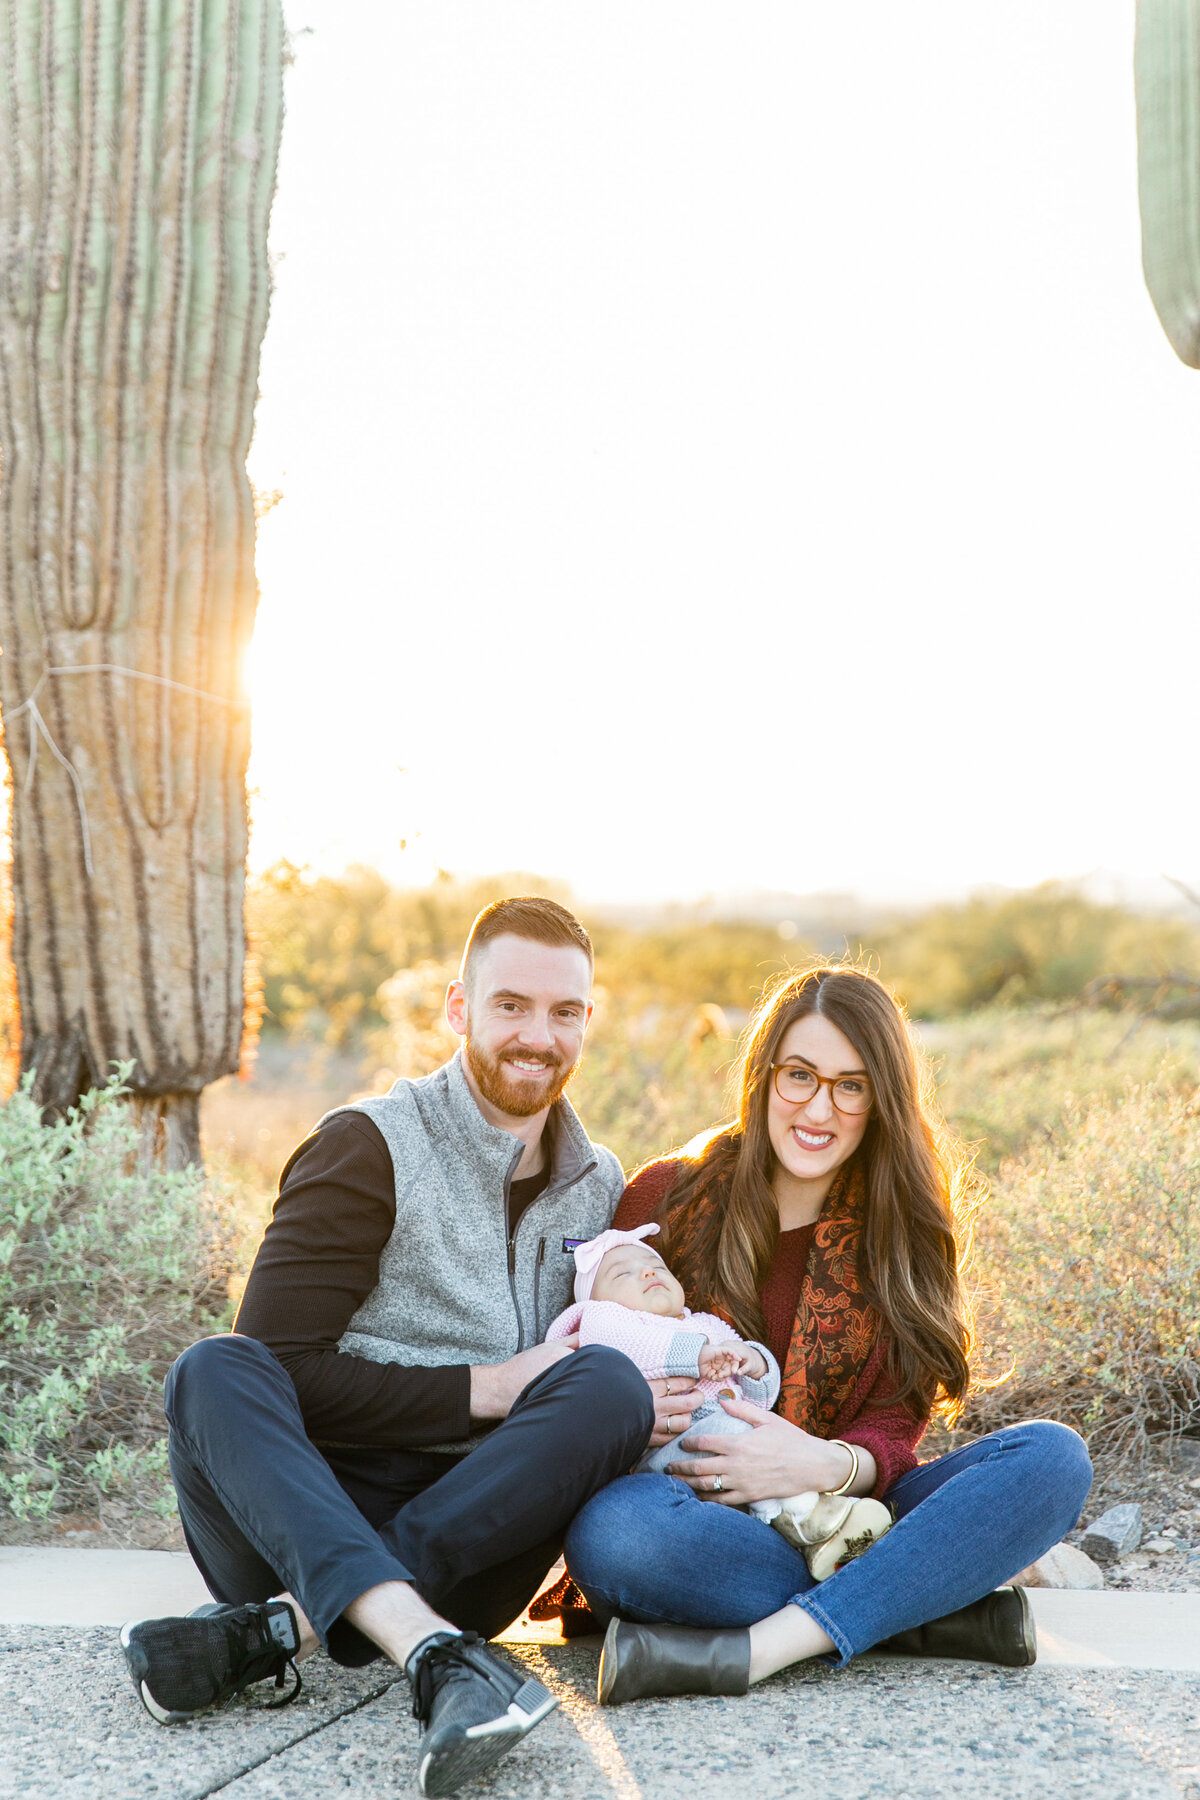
x: 437, y: 1665
x: 256, y: 1646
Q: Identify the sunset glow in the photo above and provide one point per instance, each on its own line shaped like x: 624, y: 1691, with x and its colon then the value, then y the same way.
x: 657, y: 442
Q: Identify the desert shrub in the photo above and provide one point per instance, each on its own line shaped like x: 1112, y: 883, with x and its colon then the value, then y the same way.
x: 1044, y: 943
x: 328, y: 948
x: 415, y: 1038
x: 325, y: 945
x: 1091, y: 1252
x: 1008, y: 1079
x: 726, y: 962
x: 106, y: 1272
x: 652, y: 1079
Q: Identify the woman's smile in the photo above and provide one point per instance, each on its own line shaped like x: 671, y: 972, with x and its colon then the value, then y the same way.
x: 812, y: 1140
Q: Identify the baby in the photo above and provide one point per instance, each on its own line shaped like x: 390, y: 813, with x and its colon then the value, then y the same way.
x: 627, y: 1298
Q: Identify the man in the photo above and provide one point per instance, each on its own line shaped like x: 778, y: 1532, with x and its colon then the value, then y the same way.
x: 384, y: 1456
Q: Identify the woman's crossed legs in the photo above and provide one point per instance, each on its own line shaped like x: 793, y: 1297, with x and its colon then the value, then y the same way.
x: 646, y: 1548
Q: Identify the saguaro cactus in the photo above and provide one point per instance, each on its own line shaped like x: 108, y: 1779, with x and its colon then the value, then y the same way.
x: 1167, y: 71
x: 138, y: 148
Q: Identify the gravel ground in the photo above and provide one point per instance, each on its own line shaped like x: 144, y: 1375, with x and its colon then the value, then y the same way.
x: 1170, y: 1502
x: 1169, y: 1494
x: 71, y: 1726
x: 72, y: 1531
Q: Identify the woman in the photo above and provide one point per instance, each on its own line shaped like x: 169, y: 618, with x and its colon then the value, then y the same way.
x: 823, y: 1221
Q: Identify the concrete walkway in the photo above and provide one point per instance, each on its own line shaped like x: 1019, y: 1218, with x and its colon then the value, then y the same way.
x: 1111, y: 1711
x: 105, y: 1587
x: 96, y: 1587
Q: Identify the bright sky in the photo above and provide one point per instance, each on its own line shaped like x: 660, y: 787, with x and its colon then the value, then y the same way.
x: 723, y: 447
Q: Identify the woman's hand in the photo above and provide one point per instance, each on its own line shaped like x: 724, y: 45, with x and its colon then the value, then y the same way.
x: 675, y: 1400
x: 769, y: 1463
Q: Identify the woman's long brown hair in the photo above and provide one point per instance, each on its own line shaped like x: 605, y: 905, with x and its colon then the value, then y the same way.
x: 920, y: 1195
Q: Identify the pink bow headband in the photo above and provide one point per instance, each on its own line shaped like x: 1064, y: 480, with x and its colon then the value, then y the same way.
x: 589, y: 1256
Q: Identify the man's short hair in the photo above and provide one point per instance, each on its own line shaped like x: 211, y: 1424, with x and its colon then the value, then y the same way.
x: 528, y: 916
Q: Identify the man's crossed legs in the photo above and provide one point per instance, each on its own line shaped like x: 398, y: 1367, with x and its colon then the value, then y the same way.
x: 415, y: 1555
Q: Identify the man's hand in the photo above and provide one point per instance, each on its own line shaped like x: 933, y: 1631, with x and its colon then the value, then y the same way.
x: 721, y: 1362
x: 495, y: 1386
x: 675, y: 1400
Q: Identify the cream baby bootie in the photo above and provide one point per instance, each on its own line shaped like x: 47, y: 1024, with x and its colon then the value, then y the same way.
x: 830, y: 1529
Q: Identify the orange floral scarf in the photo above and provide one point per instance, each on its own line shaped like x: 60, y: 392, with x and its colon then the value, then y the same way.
x: 835, y: 1330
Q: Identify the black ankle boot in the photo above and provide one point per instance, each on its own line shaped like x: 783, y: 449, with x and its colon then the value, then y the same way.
x: 997, y: 1629
x: 643, y: 1660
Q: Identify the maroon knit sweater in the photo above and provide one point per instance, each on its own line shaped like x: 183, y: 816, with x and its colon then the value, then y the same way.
x: 890, y: 1432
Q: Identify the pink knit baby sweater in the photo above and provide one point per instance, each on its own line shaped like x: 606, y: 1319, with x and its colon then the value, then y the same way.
x: 658, y: 1346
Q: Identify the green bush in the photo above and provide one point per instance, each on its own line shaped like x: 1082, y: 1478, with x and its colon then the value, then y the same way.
x: 724, y: 962
x: 1090, y: 1253
x: 324, y: 945
x: 326, y: 949
x: 1044, y: 943
x: 651, y: 1081
x: 1008, y: 1078
x: 106, y: 1272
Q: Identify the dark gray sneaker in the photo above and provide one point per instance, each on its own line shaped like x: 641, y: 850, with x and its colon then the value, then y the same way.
x: 473, y: 1709
x: 185, y: 1666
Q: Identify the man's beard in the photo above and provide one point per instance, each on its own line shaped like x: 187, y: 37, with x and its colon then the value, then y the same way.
x: 515, y: 1097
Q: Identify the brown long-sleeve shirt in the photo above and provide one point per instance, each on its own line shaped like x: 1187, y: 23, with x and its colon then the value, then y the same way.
x: 318, y: 1261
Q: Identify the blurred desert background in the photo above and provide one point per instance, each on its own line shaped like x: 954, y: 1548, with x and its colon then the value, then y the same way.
x: 723, y: 471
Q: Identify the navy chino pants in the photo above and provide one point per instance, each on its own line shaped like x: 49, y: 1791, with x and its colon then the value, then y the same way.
x: 265, y: 1511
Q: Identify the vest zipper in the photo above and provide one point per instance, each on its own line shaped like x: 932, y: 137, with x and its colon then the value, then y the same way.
x: 512, y: 1247
x: 537, y: 1287
x: 556, y: 1190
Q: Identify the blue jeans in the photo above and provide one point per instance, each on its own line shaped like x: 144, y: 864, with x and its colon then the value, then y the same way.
x: 646, y: 1548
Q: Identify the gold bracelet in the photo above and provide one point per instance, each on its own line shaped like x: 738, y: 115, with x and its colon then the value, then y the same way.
x: 852, y: 1477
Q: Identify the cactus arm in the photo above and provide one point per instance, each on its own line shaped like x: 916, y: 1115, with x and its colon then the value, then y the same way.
x: 1167, y: 79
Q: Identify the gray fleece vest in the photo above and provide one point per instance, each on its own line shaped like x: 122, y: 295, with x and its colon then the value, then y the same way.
x: 454, y: 1286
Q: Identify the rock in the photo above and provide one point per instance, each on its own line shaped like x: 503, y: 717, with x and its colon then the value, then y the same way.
x: 1063, y: 1566
x: 1186, y: 1453
x: 1158, y: 1546
x: 1114, y: 1534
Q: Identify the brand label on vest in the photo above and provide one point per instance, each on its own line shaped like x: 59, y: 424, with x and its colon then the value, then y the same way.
x: 570, y: 1245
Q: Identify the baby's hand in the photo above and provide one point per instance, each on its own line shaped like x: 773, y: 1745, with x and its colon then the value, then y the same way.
x: 720, y: 1362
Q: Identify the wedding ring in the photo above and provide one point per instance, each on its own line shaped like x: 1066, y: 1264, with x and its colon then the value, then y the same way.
x: 671, y: 1423
x: 718, y: 1486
